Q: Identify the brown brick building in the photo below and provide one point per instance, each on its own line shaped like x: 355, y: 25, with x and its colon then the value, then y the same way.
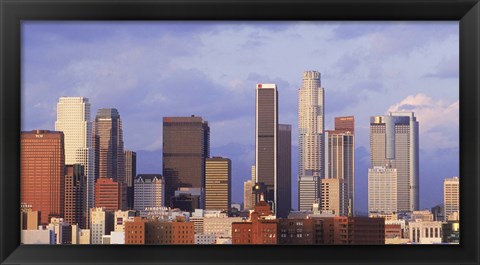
x: 42, y: 169
x: 296, y: 231
x: 259, y: 230
x: 393, y: 231
x: 349, y: 230
x: 156, y: 232
x: 135, y: 231
x: 110, y: 194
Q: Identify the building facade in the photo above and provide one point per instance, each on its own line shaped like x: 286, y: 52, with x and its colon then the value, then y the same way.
x: 75, y: 195
x: 266, y: 140
x: 73, y: 119
x: 340, y: 159
x: 110, y: 194
x: 130, y: 174
x: 284, y: 171
x: 451, y: 198
x: 218, y: 183
x: 394, y: 143
x: 149, y: 191
x: 42, y: 170
x: 186, y: 145
x: 101, y: 224
x: 108, y: 143
x: 382, y: 190
x: 311, y: 122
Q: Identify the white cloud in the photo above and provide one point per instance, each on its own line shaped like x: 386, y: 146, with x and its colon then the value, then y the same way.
x: 438, y: 120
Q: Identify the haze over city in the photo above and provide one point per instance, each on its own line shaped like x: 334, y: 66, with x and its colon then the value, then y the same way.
x: 148, y: 70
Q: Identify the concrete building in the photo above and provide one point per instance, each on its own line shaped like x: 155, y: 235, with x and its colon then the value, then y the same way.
x: 284, y: 170
x: 340, y: 161
x: 311, y: 123
x: 202, y: 239
x: 425, y: 232
x: 62, y: 230
x: 108, y: 142
x: 110, y: 194
x: 42, y: 164
x: 73, y: 119
x: 219, y: 226
x: 121, y: 217
x: 38, y: 236
x: 117, y: 238
x: 218, y: 184
x: 30, y: 220
x: 85, y: 238
x: 149, y: 191
x: 75, y: 195
x: 186, y: 145
x: 247, y: 195
x: 382, y: 190
x: 188, y: 199
x: 101, y: 224
x: 424, y: 215
x: 309, y: 190
x: 130, y: 174
x: 334, y: 196
x: 266, y: 140
x: 451, y: 198
x: 394, y: 143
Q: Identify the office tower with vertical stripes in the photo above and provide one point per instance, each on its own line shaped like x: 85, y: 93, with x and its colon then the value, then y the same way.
x: 310, y: 139
x: 42, y: 169
x: 266, y: 140
x: 73, y: 119
x: 394, y: 145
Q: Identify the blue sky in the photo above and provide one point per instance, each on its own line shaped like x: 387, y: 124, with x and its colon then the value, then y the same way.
x: 148, y: 70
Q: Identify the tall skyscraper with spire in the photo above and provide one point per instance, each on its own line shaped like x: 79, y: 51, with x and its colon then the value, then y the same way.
x: 266, y: 140
x: 394, y: 153
x: 311, y: 122
x: 73, y: 119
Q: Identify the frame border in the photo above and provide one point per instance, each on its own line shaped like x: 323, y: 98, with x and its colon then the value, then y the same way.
x: 12, y: 12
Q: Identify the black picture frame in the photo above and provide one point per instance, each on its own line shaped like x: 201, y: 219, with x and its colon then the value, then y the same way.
x: 13, y: 12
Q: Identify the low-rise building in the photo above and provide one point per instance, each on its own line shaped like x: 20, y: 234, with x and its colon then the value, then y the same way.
x: 425, y: 232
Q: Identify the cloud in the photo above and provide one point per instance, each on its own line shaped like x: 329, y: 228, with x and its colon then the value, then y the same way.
x: 438, y: 120
x: 447, y: 68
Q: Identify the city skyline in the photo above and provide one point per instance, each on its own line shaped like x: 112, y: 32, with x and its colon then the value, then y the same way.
x: 427, y: 86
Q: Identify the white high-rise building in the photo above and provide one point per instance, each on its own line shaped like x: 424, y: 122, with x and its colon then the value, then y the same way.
x: 73, y: 119
x: 149, y: 191
x: 451, y: 198
x: 394, y: 142
x: 382, y: 190
x: 310, y: 138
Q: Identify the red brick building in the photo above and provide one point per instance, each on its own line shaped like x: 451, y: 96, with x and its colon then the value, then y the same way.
x: 163, y: 232
x: 42, y: 168
x: 135, y: 231
x: 296, y: 231
x: 349, y: 230
x: 259, y: 230
x: 393, y: 231
x: 110, y: 194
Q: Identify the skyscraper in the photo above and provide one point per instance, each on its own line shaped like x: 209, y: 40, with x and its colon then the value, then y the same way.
x: 266, y: 139
x: 340, y: 162
x: 73, y: 119
x: 247, y: 195
x: 42, y: 169
x: 394, y: 144
x: 109, y: 194
x: 451, y: 198
x: 108, y: 139
x: 218, y: 183
x: 284, y: 171
x: 130, y: 174
x: 382, y: 190
x: 310, y: 137
x: 75, y: 184
x: 186, y: 145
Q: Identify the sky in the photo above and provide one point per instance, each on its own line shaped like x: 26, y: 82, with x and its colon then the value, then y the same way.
x: 148, y: 70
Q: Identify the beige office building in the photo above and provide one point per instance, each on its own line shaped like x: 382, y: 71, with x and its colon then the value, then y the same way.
x: 218, y: 183
x: 451, y: 198
x: 382, y: 190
